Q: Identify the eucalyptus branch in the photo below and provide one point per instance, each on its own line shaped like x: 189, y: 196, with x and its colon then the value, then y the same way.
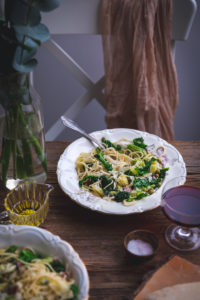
x: 21, y: 33
x: 22, y: 50
x: 29, y: 11
x: 24, y: 37
x: 23, y: 17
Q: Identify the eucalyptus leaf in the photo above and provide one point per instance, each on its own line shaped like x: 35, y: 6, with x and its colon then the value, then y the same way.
x: 26, y: 42
x: 48, y: 5
x: 23, y: 33
x: 26, y: 67
x: 38, y: 33
x: 22, y: 56
x: 23, y: 12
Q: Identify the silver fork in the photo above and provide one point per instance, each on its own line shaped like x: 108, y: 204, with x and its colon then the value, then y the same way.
x: 73, y: 125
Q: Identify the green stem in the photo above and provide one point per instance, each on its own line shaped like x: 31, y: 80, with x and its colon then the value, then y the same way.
x: 6, y: 150
x: 14, y: 148
x: 20, y: 165
x: 39, y: 152
x: 29, y: 11
x: 34, y: 141
x: 22, y: 162
x: 28, y: 162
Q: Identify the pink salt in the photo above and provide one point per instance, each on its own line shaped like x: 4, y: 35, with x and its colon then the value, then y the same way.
x: 139, y: 247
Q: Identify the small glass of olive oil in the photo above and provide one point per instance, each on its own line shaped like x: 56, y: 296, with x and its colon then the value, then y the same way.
x: 27, y: 204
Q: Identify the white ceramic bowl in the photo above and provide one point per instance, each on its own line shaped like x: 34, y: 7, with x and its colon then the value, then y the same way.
x: 47, y: 244
x: 68, y: 179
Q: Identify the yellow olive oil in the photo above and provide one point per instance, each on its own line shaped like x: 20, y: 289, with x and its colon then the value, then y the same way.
x: 26, y: 207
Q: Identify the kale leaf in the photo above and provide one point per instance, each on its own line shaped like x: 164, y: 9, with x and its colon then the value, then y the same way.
x: 28, y: 255
x: 107, y: 184
x: 75, y: 291
x: 163, y: 172
x: 100, y: 157
x: 135, y: 148
x: 146, y: 168
x: 140, y: 196
x: 57, y: 266
x: 12, y: 249
x: 122, y: 195
x: 139, y: 142
x: 88, y: 179
x: 129, y: 173
x: 141, y: 182
x: 109, y: 144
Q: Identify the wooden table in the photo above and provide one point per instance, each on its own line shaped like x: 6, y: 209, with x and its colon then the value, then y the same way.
x: 99, y: 238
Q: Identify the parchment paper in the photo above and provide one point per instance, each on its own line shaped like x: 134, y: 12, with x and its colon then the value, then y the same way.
x: 176, y: 271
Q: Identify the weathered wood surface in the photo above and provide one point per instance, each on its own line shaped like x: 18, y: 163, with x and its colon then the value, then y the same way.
x: 98, y: 238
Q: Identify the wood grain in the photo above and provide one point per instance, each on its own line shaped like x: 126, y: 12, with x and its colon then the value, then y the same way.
x: 99, y: 238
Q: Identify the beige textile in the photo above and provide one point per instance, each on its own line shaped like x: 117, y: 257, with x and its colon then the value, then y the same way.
x: 141, y: 82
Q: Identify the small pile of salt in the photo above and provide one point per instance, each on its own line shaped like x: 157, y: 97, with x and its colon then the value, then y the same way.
x: 139, y: 247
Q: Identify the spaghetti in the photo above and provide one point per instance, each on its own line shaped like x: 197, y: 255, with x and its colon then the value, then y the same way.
x: 25, y: 275
x: 125, y: 171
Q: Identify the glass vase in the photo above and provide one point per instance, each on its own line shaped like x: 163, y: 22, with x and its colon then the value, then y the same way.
x: 21, y: 132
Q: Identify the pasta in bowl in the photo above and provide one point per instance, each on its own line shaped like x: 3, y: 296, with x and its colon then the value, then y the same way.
x: 125, y: 171
x: 26, y: 274
x: 126, y: 177
x: 35, y: 264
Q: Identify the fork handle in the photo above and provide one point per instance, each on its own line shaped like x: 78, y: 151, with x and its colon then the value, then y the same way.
x: 71, y: 124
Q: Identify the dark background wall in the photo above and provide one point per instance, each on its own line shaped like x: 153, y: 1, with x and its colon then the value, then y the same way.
x: 58, y: 89
x: 187, y: 59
